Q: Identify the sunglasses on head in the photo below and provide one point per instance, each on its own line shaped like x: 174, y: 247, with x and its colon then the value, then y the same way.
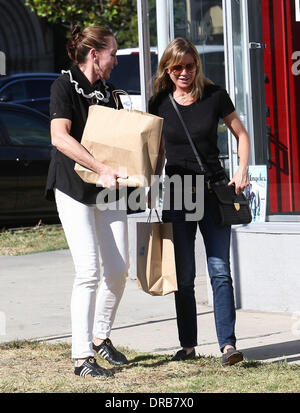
x: 177, y: 69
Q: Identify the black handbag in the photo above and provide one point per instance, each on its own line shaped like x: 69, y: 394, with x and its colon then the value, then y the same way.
x: 233, y: 209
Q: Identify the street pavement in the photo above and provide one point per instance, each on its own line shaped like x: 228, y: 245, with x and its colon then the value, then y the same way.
x: 35, y: 293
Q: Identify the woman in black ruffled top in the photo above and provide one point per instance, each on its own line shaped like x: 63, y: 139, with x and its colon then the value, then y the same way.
x: 88, y: 229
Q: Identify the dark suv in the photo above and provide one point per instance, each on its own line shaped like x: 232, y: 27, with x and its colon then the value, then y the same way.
x: 30, y: 89
x: 25, y: 150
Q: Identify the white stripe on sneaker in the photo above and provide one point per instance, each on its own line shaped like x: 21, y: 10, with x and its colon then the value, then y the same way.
x: 103, y: 353
x: 85, y: 371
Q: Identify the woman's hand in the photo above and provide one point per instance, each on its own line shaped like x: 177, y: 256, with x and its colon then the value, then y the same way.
x: 108, y: 177
x: 240, y: 179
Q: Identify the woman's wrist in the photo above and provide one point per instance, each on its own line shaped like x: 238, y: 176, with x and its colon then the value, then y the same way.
x: 244, y: 167
x: 100, y: 168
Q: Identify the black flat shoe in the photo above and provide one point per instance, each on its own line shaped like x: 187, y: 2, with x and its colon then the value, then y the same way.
x: 90, y: 367
x: 110, y: 353
x: 232, y: 356
x: 182, y: 355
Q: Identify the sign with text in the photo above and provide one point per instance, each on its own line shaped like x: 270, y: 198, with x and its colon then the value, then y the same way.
x: 256, y: 192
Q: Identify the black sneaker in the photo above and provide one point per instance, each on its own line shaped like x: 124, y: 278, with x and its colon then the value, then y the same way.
x: 232, y: 356
x: 110, y: 353
x: 182, y: 355
x: 90, y: 367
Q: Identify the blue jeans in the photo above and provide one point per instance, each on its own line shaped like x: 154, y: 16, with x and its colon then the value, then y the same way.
x: 217, y: 244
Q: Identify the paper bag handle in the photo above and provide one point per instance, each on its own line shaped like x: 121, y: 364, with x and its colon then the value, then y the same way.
x: 121, y: 92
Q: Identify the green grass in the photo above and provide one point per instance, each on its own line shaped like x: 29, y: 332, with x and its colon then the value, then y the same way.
x: 47, y: 368
x: 31, y: 240
x: 33, y: 367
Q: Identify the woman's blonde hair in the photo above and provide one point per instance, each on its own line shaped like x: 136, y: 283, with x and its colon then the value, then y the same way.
x: 172, y: 56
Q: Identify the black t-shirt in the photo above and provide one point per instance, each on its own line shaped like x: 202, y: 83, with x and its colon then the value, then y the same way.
x: 67, y: 102
x: 201, y: 118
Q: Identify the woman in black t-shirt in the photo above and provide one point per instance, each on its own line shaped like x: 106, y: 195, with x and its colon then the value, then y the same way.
x: 201, y: 105
x: 88, y: 229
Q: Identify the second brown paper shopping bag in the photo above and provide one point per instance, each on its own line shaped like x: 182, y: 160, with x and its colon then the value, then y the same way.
x: 156, y: 272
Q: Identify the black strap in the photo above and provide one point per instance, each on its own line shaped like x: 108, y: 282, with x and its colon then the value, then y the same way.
x: 149, y: 216
x: 202, y: 167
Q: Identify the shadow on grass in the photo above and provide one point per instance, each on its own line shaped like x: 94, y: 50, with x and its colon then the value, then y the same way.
x: 142, y: 360
x: 251, y: 363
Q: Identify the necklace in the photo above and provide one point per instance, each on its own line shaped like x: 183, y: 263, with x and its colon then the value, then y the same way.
x: 96, y: 94
x: 184, y: 97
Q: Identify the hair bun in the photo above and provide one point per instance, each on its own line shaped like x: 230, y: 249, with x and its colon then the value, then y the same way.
x: 75, y: 31
x: 73, y: 42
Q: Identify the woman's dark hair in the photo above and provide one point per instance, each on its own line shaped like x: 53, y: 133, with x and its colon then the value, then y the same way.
x: 81, y: 42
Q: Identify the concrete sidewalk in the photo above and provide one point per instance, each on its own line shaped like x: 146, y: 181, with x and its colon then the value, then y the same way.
x: 34, y: 304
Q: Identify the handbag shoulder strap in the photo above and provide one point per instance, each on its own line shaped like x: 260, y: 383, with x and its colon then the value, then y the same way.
x: 202, y: 167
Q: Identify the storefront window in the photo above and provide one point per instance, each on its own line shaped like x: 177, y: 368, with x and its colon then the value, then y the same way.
x: 281, y: 34
x: 238, y: 61
x: 201, y: 21
x: 262, y: 45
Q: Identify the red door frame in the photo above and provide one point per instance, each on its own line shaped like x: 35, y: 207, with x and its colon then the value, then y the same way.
x: 282, y: 94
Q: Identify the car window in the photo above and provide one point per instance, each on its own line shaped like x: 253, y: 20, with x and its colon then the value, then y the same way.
x: 15, y: 91
x: 126, y: 75
x: 28, y: 89
x: 25, y: 128
x: 3, y: 134
x: 37, y: 88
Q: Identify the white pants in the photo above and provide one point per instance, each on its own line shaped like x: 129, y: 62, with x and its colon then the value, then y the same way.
x: 90, y: 231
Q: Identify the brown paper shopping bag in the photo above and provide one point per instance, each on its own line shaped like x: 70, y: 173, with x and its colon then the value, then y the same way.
x: 156, y: 272
x: 126, y: 140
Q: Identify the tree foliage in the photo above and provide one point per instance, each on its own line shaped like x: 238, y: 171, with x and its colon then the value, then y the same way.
x: 118, y: 15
